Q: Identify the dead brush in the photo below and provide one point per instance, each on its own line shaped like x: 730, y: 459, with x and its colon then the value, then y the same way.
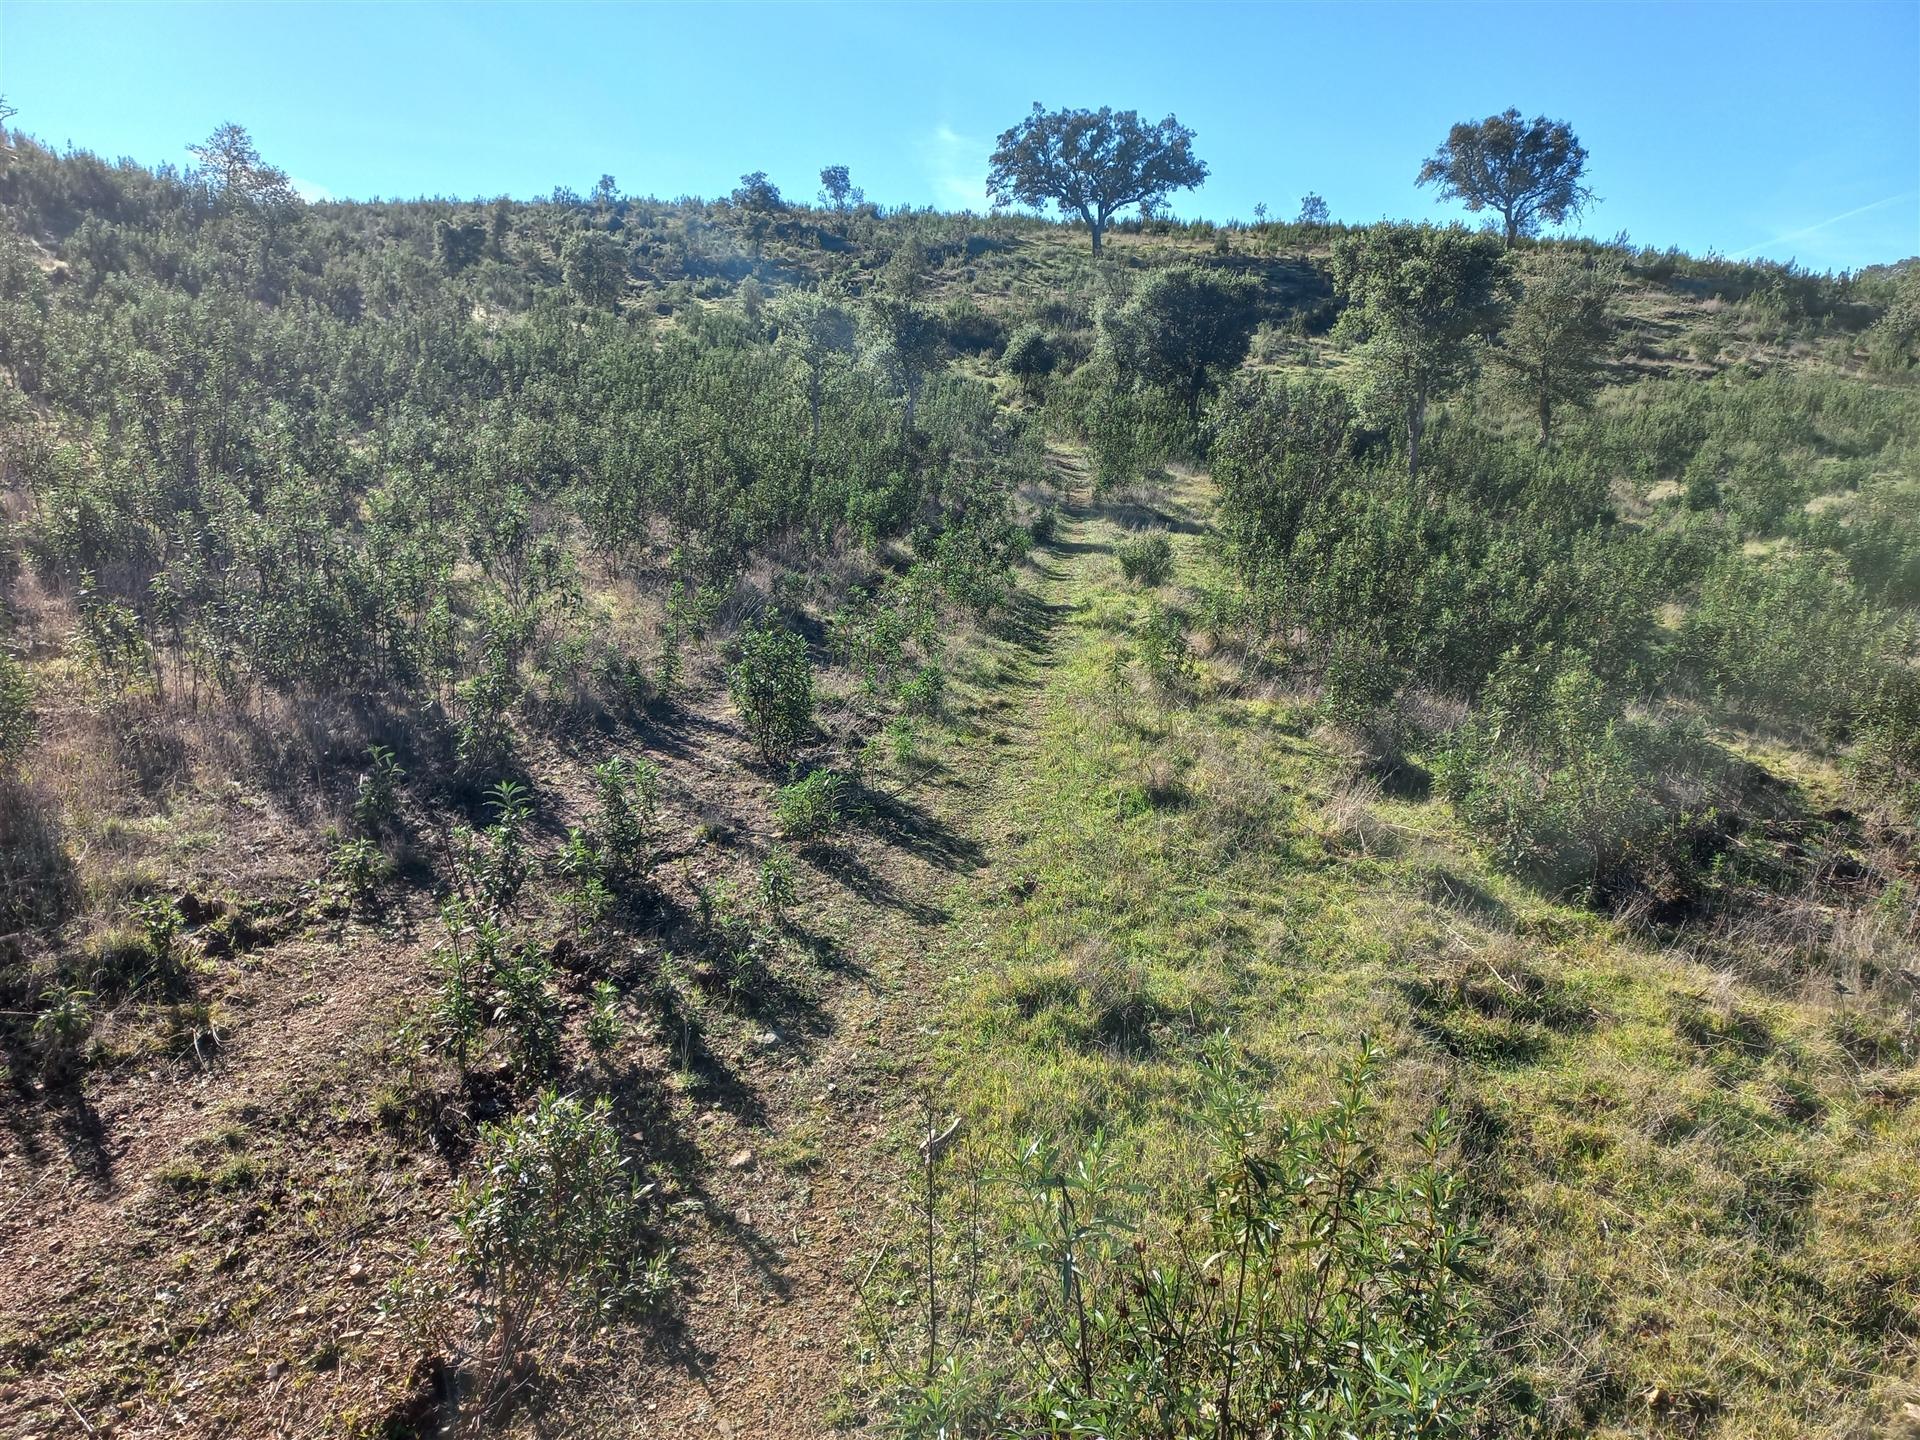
x: 1248, y: 810
x: 1348, y: 822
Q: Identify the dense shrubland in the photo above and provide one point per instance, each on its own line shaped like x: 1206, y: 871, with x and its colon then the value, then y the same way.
x: 430, y: 491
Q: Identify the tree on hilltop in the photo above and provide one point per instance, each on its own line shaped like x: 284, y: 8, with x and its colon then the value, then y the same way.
x: 1529, y: 171
x: 1093, y: 163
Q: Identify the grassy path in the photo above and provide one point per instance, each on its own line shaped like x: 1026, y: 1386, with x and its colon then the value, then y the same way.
x: 787, y: 1213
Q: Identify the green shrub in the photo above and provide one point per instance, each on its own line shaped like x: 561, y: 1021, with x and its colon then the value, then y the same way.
x: 625, y: 791
x: 810, y: 808
x: 1029, y: 357
x: 777, y: 884
x: 1569, y: 790
x: 925, y: 692
x: 357, y: 866
x: 16, y: 709
x: 1887, y: 759
x: 1788, y: 642
x: 1307, y: 1291
x: 378, y: 799
x: 1146, y: 559
x: 1160, y: 640
x: 772, y: 687
x: 549, y: 1223
x: 603, y: 1020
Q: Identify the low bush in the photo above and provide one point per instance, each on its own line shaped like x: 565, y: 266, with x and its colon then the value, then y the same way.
x: 1146, y: 559
x: 1570, y: 791
x: 811, y: 808
x: 1029, y: 357
x: 550, y: 1227
x: 1309, y: 1290
x: 772, y: 686
x: 16, y: 709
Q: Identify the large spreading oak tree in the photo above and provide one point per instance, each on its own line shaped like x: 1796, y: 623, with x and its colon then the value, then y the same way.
x: 1529, y: 171
x: 1092, y: 163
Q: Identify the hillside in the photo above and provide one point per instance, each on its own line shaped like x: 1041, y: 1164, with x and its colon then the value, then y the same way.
x: 832, y: 738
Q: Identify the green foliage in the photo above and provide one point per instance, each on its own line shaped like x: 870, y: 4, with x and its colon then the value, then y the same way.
x: 1569, y: 791
x: 1787, y: 642
x: 464, y: 960
x: 924, y: 692
x: 550, y: 1226
x: 1146, y: 559
x: 1311, y: 1291
x: 1092, y: 163
x: 1528, y: 172
x: 812, y: 807
x: 491, y: 866
x: 1160, y: 640
x: 161, y: 924
x: 357, y: 865
x: 1554, y: 349
x: 378, y: 800
x: 604, y: 1026
x: 1888, y: 758
x: 16, y: 709
x: 1029, y: 357
x: 595, y: 266
x: 625, y: 793
x: 1398, y: 579
x: 778, y: 886
x: 61, y: 1023
x: 1419, y: 301
x: 1893, y: 344
x: 1180, y: 330
x: 772, y: 687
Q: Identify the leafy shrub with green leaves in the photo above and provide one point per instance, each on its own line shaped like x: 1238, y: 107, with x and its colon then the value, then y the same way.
x: 16, y: 709
x: 1788, y: 642
x: 625, y: 793
x: 772, y: 686
x: 1569, y: 790
x: 1029, y: 357
x: 550, y: 1224
x: 491, y: 865
x: 778, y: 887
x: 1310, y: 1291
x: 1146, y: 559
x: 377, y: 801
x: 357, y: 865
x: 1160, y: 640
x: 1887, y: 761
x: 811, y: 808
x: 925, y: 691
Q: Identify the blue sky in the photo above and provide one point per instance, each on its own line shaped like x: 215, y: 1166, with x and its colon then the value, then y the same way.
x: 1787, y: 131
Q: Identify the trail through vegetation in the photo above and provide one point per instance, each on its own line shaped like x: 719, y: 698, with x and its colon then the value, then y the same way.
x: 723, y: 817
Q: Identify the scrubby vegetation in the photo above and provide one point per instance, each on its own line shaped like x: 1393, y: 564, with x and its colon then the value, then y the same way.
x: 1321, y: 816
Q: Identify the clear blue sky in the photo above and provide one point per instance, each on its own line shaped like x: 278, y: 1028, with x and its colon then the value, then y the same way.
x: 1789, y: 131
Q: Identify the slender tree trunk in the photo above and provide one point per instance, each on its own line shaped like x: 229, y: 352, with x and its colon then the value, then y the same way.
x: 1416, y: 424
x: 1546, y: 421
x: 1095, y: 227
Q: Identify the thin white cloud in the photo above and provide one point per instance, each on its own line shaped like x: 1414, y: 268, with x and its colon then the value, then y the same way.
x: 308, y: 191
x: 1828, y: 223
x: 956, y: 167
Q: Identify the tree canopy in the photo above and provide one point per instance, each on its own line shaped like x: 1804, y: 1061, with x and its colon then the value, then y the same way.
x: 1092, y: 163
x: 1529, y: 171
x: 1554, y: 349
x: 1419, y: 300
x: 1180, y: 328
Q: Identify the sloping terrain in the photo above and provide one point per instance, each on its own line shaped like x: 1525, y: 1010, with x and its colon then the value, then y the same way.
x: 672, y: 657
